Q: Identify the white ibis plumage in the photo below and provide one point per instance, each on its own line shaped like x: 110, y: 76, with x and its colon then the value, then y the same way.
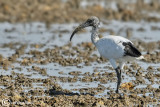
x: 114, y: 48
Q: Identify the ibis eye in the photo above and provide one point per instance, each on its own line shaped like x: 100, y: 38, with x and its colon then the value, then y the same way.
x: 89, y: 21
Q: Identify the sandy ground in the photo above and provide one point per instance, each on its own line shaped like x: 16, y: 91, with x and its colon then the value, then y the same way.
x: 27, y: 57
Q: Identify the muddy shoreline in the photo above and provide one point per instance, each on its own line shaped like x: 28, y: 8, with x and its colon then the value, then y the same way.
x: 40, y: 67
x: 53, y: 94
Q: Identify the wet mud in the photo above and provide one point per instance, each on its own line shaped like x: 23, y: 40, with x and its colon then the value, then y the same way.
x: 39, y: 71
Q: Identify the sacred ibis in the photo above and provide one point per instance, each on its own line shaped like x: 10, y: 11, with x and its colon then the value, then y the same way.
x: 114, y: 48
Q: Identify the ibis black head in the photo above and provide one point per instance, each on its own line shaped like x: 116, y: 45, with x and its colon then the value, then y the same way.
x: 92, y: 21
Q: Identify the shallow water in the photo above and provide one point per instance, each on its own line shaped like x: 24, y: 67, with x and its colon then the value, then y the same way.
x: 58, y: 34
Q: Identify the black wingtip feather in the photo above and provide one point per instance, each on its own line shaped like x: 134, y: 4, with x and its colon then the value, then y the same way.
x: 131, y: 50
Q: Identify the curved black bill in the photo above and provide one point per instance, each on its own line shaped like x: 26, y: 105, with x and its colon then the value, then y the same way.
x: 83, y: 25
x: 75, y: 31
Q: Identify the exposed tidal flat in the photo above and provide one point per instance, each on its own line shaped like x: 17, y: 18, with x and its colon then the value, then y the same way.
x: 41, y: 67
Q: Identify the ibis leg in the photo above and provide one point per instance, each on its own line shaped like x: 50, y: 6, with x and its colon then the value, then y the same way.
x: 118, y: 71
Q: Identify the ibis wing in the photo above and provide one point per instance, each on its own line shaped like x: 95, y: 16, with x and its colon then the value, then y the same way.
x: 130, y: 50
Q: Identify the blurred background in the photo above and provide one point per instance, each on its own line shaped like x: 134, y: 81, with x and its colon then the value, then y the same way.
x: 65, y: 11
x: 38, y: 60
